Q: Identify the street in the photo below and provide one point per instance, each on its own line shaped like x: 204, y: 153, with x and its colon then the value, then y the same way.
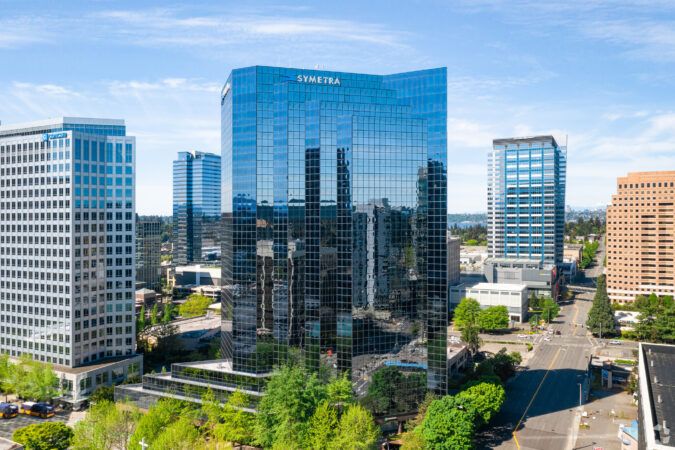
x: 541, y: 410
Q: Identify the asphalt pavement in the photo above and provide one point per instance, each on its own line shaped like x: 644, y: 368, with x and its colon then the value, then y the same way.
x: 542, y: 407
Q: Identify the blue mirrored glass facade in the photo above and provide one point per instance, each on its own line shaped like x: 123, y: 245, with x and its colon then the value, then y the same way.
x: 196, y: 207
x: 526, y: 198
x: 335, y: 216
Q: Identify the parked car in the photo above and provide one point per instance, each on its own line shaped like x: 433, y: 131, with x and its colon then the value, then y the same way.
x: 557, y: 332
x: 615, y: 342
x: 37, y: 409
x: 7, y: 410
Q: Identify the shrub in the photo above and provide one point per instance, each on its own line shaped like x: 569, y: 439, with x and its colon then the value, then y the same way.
x: 44, y: 436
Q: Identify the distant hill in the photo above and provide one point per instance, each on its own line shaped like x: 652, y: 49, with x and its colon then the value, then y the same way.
x: 475, y: 217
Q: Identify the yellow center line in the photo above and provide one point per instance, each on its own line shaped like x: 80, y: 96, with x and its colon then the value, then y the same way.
x: 534, y: 396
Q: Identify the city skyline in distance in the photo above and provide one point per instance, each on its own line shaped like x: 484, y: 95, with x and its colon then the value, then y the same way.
x: 609, y: 86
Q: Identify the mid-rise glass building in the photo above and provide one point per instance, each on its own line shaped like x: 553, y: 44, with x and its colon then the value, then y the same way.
x: 526, y: 198
x: 149, y: 252
x: 335, y: 219
x: 67, y: 238
x: 196, y: 207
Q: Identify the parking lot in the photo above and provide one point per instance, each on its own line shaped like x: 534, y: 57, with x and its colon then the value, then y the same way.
x: 7, y: 426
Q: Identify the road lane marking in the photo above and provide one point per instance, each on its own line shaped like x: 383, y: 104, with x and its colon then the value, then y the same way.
x: 575, y: 317
x: 534, y: 396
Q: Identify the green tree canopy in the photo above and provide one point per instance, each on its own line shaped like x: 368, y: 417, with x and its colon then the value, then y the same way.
x: 102, y: 393
x: 34, y: 380
x: 466, y: 313
x: 154, y: 315
x: 44, y: 436
x: 140, y: 322
x: 291, y: 397
x: 322, y: 427
x: 179, y: 435
x: 106, y: 426
x: 493, y: 318
x: 487, y: 398
x: 167, y: 313
x: 159, y: 416
x: 357, y: 430
x: 470, y: 335
x: 549, y: 309
x: 196, y: 305
x: 601, y: 315
x: 534, y: 301
x: 449, y: 424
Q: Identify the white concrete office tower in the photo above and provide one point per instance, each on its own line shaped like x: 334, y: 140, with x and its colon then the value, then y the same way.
x: 67, y: 244
x: 526, y: 198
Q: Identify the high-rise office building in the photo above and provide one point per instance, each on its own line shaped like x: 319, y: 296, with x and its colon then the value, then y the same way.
x: 640, y: 236
x: 454, y: 247
x: 149, y: 252
x: 335, y: 210
x: 196, y: 207
x: 526, y: 198
x: 67, y: 236
x: 334, y: 244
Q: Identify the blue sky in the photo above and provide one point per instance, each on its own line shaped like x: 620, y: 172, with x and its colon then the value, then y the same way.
x: 601, y: 72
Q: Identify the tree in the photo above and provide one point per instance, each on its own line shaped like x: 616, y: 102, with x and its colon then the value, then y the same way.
x: 449, y: 424
x: 470, y: 335
x: 154, y: 319
x: 196, y: 305
x: 159, y: 416
x: 34, y: 380
x: 357, y: 430
x: 322, y: 427
x: 493, y: 318
x: 641, y: 302
x: 339, y: 391
x: 140, y: 322
x: 549, y: 309
x: 664, y: 325
x: 292, y: 395
x: 487, y: 398
x: 534, y: 321
x: 6, y: 384
x: 102, y: 393
x: 179, y: 435
x: 44, y: 436
x: 236, y: 423
x: 168, y: 312
x: 601, y: 315
x: 106, y: 426
x: 504, y: 365
x: 534, y: 301
x: 466, y: 312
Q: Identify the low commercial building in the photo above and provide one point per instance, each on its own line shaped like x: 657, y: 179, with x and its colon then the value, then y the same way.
x: 471, y: 258
x: 458, y: 357
x: 513, y: 296
x: 538, y: 277
x: 626, y: 320
x: 573, y: 251
x: 78, y: 383
x: 656, y: 396
x: 195, y: 275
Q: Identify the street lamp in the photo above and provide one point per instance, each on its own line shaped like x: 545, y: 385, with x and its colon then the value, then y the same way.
x: 579, y: 395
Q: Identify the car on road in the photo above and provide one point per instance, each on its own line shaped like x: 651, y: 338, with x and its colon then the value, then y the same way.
x: 37, y: 409
x: 615, y: 342
x: 522, y: 335
x: 7, y: 410
x: 558, y: 333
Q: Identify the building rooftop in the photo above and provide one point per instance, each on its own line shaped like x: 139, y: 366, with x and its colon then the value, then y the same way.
x: 661, y: 378
x: 145, y: 291
x: 524, y: 140
x: 500, y: 287
x: 60, y: 121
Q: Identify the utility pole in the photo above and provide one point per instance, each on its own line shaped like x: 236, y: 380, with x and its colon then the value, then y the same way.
x: 579, y: 395
x: 600, y: 330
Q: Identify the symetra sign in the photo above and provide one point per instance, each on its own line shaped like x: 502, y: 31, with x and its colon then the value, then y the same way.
x: 317, y: 80
x: 48, y: 136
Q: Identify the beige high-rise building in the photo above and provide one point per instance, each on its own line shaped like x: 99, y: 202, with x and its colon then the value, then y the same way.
x: 640, y: 236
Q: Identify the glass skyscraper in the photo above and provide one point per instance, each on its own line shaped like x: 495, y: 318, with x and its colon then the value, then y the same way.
x: 196, y: 207
x: 526, y: 198
x: 148, y: 252
x: 335, y: 216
